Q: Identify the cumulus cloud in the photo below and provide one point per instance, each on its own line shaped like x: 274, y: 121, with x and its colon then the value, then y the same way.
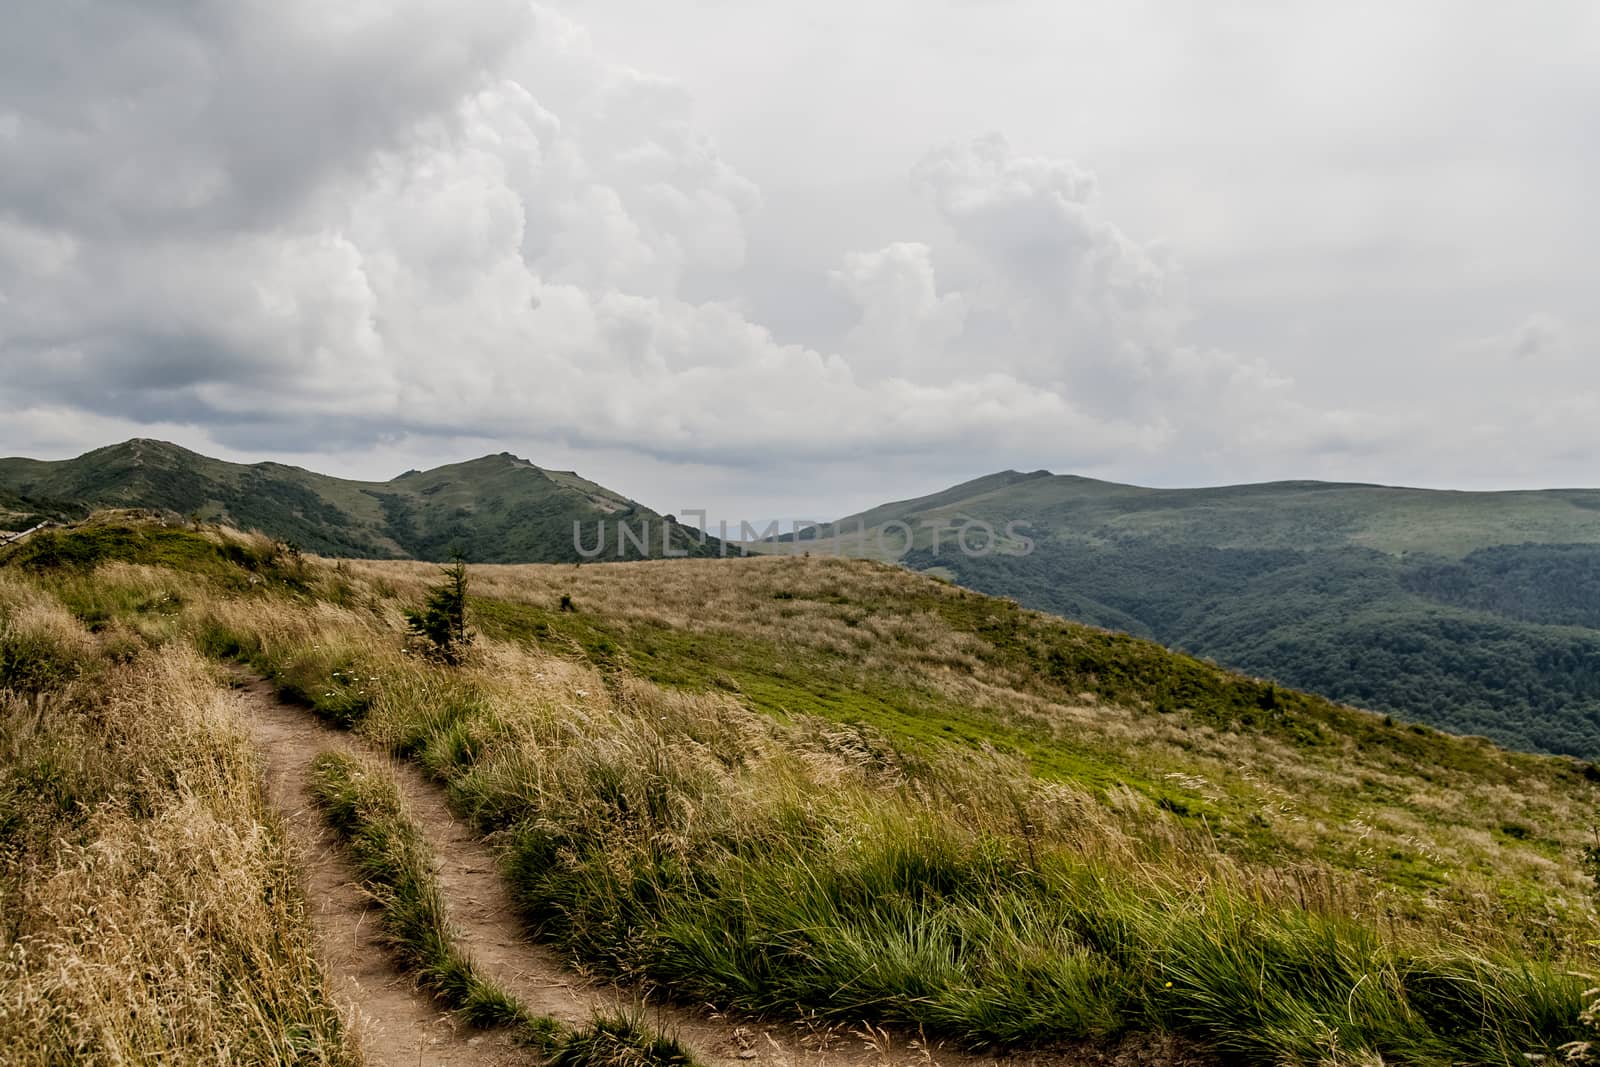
x: 151, y: 118
x: 368, y: 221
x: 1035, y: 222
x: 1084, y: 311
x: 906, y: 325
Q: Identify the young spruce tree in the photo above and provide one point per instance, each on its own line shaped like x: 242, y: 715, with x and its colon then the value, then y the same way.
x: 442, y: 621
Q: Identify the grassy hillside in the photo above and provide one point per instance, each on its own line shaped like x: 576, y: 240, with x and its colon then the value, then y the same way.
x: 839, y: 789
x: 1475, y: 612
x: 494, y: 508
x: 18, y: 512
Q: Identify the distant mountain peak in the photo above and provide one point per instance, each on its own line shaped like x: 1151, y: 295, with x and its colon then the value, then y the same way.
x: 148, y: 444
x: 495, y: 508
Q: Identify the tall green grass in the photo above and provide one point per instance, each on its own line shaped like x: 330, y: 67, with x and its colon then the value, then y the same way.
x: 898, y: 916
x: 659, y: 845
x: 667, y: 846
x: 362, y: 802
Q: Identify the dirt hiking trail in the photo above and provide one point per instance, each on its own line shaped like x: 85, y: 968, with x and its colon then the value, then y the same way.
x: 400, y: 1026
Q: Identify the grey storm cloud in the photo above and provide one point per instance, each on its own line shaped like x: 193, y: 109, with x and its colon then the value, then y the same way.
x: 382, y: 221
x: 172, y: 117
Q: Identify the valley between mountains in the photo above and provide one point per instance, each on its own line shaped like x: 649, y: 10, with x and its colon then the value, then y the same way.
x: 1477, y: 613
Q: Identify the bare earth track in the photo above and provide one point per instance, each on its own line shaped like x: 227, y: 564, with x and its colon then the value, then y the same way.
x: 402, y: 1027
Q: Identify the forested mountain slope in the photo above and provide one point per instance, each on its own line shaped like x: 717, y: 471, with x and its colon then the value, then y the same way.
x: 497, y: 508
x: 1474, y: 612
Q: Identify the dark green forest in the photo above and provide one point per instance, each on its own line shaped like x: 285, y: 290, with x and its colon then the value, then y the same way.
x: 1503, y: 642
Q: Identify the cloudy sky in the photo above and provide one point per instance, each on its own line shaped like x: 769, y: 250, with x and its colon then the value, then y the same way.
x: 794, y: 259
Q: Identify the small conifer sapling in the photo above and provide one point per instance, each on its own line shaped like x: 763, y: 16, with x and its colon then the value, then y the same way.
x: 442, y: 620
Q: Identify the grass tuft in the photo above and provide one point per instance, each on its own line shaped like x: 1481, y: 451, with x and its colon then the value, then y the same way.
x: 620, y: 1041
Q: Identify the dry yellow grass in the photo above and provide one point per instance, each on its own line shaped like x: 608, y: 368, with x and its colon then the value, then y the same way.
x: 150, y: 911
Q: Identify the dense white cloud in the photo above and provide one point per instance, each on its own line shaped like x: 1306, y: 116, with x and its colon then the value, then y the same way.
x: 383, y: 225
x: 906, y: 325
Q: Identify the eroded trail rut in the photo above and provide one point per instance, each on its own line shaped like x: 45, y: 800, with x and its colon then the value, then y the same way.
x: 402, y: 1027
x: 397, y: 1024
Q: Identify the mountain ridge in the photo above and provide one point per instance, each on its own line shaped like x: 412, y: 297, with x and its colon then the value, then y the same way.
x: 488, y: 507
x: 1469, y: 610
